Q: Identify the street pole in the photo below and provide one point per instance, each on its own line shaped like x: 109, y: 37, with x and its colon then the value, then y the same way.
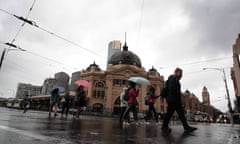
x: 227, y: 90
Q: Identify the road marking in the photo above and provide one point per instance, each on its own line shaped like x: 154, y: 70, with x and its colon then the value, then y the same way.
x: 25, y: 133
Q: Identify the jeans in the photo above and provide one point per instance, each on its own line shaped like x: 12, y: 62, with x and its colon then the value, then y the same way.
x: 131, y: 107
x: 151, y: 109
x: 172, y: 107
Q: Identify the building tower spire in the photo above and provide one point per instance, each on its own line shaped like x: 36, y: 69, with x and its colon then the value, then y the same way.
x: 125, y: 47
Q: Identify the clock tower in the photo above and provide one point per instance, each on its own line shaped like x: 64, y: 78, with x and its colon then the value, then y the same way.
x: 205, y: 96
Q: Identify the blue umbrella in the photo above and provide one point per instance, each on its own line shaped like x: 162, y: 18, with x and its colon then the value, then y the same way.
x: 139, y: 80
x: 60, y: 89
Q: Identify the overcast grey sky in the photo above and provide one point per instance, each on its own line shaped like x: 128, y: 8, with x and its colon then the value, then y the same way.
x: 164, y: 33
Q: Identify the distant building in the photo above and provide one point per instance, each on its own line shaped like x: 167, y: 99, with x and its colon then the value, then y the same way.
x: 75, y: 77
x: 206, y: 100
x: 62, y: 79
x: 113, y: 46
x: 235, y: 72
x: 48, y: 84
x: 27, y: 90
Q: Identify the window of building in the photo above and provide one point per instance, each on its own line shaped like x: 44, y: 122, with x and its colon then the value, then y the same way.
x: 99, y: 90
x: 118, y: 82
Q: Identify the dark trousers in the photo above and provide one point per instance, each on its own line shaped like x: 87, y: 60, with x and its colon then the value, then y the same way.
x: 131, y: 107
x: 151, y: 109
x: 123, y: 109
x: 25, y: 108
x: 172, y: 107
x: 65, y: 106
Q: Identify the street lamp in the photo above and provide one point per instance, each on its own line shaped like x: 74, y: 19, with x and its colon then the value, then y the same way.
x: 226, y: 86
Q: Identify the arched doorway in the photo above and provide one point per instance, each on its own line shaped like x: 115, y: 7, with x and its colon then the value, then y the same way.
x: 116, y: 107
x: 97, y: 107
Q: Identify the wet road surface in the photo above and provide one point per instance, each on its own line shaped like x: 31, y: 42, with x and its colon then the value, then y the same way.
x: 36, y: 128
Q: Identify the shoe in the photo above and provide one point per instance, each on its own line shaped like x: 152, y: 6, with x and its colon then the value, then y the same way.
x: 126, y: 123
x: 166, y: 130
x: 55, y: 115
x: 158, y: 123
x: 147, y: 123
x: 190, y: 129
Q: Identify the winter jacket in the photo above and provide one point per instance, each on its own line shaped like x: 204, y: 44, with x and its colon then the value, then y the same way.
x: 133, y: 94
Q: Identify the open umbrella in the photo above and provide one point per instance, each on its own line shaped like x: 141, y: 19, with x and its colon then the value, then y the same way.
x: 83, y: 83
x: 60, y: 89
x: 139, y: 80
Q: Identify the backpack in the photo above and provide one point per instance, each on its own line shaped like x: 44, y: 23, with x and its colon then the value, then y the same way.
x: 146, y: 100
x: 126, y: 95
x: 164, y: 91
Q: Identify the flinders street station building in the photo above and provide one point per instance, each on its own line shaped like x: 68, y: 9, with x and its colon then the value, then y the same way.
x: 106, y: 86
x: 104, y: 94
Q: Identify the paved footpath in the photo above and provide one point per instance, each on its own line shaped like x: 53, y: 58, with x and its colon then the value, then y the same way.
x: 36, y: 128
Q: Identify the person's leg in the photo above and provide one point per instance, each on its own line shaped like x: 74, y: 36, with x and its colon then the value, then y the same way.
x: 126, y: 113
x: 181, y: 115
x: 155, y: 113
x: 148, y: 114
x: 63, y: 109
x: 67, y: 110
x: 122, y: 112
x: 50, y: 109
x: 170, y: 112
x: 134, y: 110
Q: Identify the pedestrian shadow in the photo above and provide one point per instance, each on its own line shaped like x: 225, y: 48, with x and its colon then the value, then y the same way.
x: 175, y: 138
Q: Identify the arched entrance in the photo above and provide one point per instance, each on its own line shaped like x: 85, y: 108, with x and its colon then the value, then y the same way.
x: 116, y: 107
x: 97, y: 107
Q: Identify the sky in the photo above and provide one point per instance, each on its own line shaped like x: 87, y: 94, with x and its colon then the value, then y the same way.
x: 191, y: 34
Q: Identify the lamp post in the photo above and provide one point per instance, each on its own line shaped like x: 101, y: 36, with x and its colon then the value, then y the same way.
x: 226, y: 87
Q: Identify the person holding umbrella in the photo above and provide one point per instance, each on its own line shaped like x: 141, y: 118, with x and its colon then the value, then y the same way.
x: 54, y: 100
x: 151, y: 100
x: 80, y: 100
x: 80, y: 97
x: 132, y: 102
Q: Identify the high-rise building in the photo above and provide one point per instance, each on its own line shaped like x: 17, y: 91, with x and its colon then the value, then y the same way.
x: 27, y: 90
x: 75, y: 77
x: 235, y: 72
x: 48, y: 84
x: 62, y: 79
x: 113, y: 47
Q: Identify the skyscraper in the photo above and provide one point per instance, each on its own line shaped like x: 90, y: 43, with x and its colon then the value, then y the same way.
x: 113, y: 46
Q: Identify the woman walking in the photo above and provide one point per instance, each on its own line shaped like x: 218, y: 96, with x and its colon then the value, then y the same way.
x: 151, y: 100
x: 54, y: 100
x: 80, y: 100
x: 66, y: 101
x: 132, y: 102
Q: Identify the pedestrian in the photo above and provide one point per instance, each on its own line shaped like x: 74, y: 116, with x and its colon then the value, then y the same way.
x: 66, y: 102
x: 54, y: 101
x: 26, y: 103
x: 151, y: 97
x: 80, y: 100
x: 123, y: 104
x: 132, y: 102
x: 174, y: 102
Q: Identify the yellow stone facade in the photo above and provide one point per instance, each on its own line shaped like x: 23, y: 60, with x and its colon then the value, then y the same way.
x: 106, y: 86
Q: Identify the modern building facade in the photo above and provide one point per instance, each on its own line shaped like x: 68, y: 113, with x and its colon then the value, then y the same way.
x: 235, y: 72
x: 113, y: 46
x: 62, y: 80
x: 75, y: 77
x: 27, y: 90
x: 48, y: 84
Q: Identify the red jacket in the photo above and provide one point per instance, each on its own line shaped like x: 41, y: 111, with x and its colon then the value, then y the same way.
x: 133, y: 94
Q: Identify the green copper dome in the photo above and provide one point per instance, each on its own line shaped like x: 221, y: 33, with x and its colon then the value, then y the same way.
x: 125, y: 57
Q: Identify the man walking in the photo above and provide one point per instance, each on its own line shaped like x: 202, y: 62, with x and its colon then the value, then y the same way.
x: 174, y: 102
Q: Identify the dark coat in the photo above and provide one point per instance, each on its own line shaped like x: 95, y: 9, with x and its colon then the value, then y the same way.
x: 174, y: 90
